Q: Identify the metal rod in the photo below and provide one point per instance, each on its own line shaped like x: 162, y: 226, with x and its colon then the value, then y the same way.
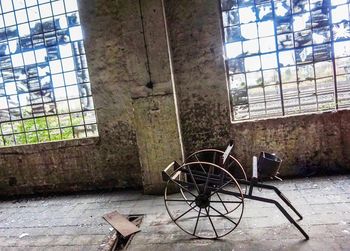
x: 211, y: 223
x: 192, y: 208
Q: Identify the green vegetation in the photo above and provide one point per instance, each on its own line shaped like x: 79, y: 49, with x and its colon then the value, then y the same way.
x: 39, y: 130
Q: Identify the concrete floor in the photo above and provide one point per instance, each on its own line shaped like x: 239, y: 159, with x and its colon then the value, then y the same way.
x: 75, y: 222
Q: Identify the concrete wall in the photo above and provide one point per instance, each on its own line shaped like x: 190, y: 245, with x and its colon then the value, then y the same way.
x: 151, y: 89
x: 134, y: 88
x: 111, y: 160
x: 117, y: 57
x: 308, y: 144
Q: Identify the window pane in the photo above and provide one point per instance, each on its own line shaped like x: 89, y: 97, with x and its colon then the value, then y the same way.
x: 295, y: 52
x: 43, y: 73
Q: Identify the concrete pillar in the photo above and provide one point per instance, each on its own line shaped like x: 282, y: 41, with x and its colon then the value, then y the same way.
x: 152, y: 91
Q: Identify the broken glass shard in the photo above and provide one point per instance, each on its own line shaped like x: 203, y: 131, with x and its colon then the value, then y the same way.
x: 264, y: 11
x: 303, y: 38
x: 285, y: 41
x: 303, y: 55
x: 230, y: 18
x: 341, y: 30
x: 232, y: 34
x: 228, y: 4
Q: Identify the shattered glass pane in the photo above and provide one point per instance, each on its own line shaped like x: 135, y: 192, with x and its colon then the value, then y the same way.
x: 264, y: 12
x: 241, y: 112
x: 300, y: 6
x: 285, y: 41
x: 341, y: 31
x: 302, y: 21
x: 303, y: 38
x: 308, y: 34
x: 247, y: 15
x: 232, y: 34
x: 320, y: 36
x: 230, y: 18
x: 304, y: 55
x: 229, y: 4
x: 284, y: 26
x: 42, y: 59
x: 282, y: 8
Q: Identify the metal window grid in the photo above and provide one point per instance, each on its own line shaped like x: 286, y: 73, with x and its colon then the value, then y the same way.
x: 286, y: 57
x: 45, y: 91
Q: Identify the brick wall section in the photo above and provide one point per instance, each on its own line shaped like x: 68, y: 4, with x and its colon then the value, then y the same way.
x: 308, y: 144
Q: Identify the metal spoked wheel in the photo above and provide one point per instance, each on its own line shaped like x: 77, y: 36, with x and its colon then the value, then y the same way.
x: 213, y: 198
x: 214, y: 156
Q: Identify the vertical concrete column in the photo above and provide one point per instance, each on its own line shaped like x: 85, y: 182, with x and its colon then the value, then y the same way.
x: 152, y: 92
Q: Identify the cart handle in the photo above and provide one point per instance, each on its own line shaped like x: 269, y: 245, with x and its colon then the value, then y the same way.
x: 227, y: 151
x: 165, y: 173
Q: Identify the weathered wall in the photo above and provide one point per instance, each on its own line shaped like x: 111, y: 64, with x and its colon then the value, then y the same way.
x: 308, y: 144
x: 126, y: 47
x: 111, y: 160
x: 151, y: 90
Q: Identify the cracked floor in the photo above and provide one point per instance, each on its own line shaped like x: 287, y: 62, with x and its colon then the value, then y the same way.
x: 75, y: 222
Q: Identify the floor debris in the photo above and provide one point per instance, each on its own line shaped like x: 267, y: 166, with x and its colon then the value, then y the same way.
x: 121, y: 223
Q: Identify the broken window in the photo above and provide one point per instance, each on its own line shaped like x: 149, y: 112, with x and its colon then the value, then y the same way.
x: 45, y: 91
x: 286, y: 57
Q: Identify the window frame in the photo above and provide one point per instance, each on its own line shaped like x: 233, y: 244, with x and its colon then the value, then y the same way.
x: 331, y: 59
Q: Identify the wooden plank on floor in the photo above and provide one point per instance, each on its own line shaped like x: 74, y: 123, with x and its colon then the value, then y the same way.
x: 121, y: 223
